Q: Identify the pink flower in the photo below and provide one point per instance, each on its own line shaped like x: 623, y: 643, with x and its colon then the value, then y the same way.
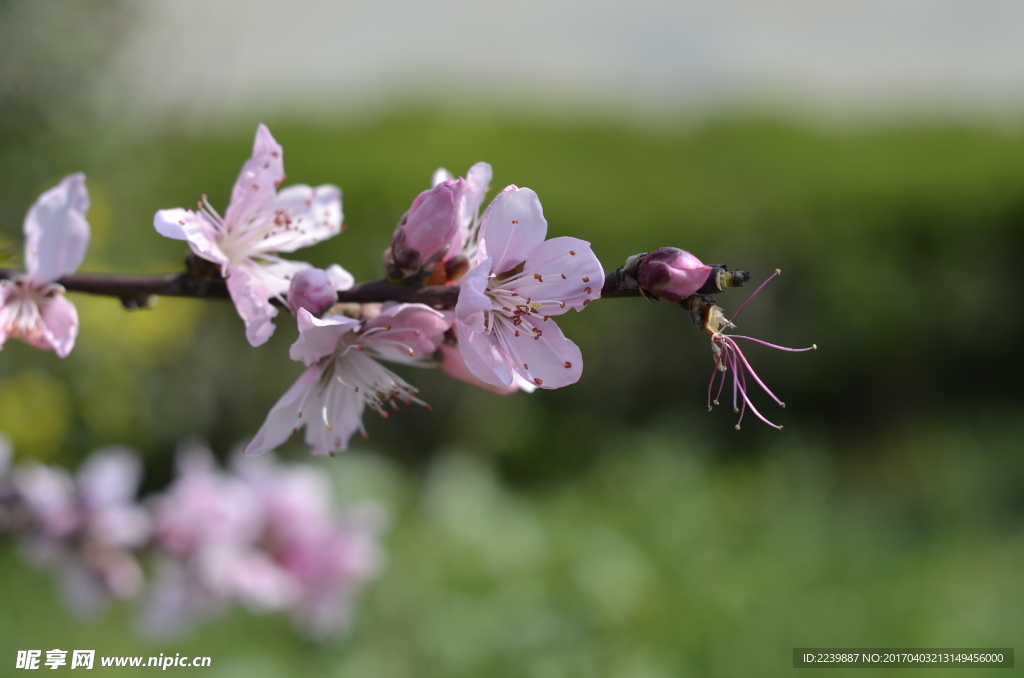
x: 477, y: 184
x: 728, y: 356
x: 344, y: 376
x: 436, y: 236
x: 32, y: 306
x: 672, y: 273
x: 86, y: 528
x: 506, y: 303
x: 259, y: 223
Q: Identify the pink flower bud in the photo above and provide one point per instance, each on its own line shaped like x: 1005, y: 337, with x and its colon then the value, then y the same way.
x: 672, y: 273
x: 312, y: 290
x: 426, y: 232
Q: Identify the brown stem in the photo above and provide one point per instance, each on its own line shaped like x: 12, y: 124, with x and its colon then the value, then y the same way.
x: 137, y: 291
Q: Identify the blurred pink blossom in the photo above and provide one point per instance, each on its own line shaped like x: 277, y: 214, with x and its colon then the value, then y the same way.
x: 259, y: 223
x: 506, y: 303
x: 264, y: 535
x: 32, y: 306
x: 87, y: 528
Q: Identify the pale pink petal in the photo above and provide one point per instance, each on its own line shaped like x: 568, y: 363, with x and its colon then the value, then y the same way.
x: 452, y: 362
x: 340, y: 278
x: 483, y: 357
x: 258, y: 181
x: 405, y: 333
x: 546, y: 358
x: 249, y: 290
x: 252, y: 286
x: 56, y: 232
x: 473, y: 303
x: 560, y: 274
x: 61, y: 321
x: 302, y: 216
x: 109, y: 476
x: 440, y: 176
x: 478, y: 181
x: 512, y: 226
x: 433, y: 220
x: 318, y: 337
x: 283, y: 419
x: 182, y: 224
x: 334, y: 417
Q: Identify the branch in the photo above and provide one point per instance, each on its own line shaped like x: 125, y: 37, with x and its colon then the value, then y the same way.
x: 138, y: 291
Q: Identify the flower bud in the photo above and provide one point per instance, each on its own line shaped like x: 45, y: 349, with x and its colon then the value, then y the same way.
x: 312, y: 290
x: 672, y: 273
x: 426, y: 231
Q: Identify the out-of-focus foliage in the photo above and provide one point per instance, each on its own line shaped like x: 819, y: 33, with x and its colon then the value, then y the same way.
x: 657, y: 561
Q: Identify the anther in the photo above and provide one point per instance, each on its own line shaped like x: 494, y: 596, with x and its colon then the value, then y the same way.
x: 561, y: 304
x: 525, y: 366
x: 536, y: 276
x: 563, y: 276
x: 586, y: 301
x: 587, y: 290
x: 538, y: 381
x: 572, y: 252
x: 586, y: 278
x: 568, y: 364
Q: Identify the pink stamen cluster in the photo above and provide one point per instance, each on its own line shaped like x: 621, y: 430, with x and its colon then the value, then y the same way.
x: 728, y: 356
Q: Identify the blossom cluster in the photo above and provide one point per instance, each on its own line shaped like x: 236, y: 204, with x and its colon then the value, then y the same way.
x: 511, y: 281
x: 263, y: 535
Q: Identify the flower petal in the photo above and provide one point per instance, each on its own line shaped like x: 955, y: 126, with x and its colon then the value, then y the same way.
x: 545, y: 358
x: 61, y: 320
x: 406, y: 333
x: 335, y: 417
x: 283, y: 418
x: 483, y: 357
x: 56, y: 232
x: 452, y: 362
x: 478, y: 180
x: 257, y: 182
x: 252, y: 286
x: 319, y: 337
x: 305, y: 216
x: 340, y: 278
x: 182, y: 224
x: 512, y: 226
x: 473, y: 303
x: 109, y: 476
x: 560, y: 271
x: 440, y: 176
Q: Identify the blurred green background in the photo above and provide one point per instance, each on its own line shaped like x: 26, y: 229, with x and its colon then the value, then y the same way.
x: 613, y: 528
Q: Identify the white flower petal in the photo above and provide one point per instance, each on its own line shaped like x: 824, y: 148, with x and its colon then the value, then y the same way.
x: 302, y: 216
x: 283, y: 419
x: 512, y: 227
x: 182, y: 224
x: 56, y: 232
x: 547, y: 359
x: 257, y: 182
x: 318, y: 337
x: 483, y: 357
